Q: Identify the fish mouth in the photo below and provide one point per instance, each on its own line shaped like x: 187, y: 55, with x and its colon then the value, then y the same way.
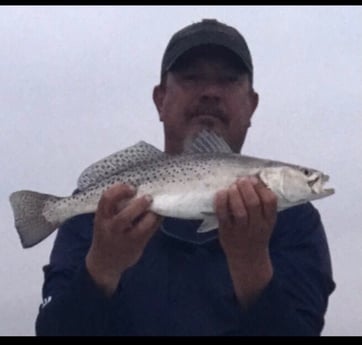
x: 317, y: 185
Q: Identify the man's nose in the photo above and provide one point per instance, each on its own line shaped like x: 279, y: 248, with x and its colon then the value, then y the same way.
x: 211, y: 89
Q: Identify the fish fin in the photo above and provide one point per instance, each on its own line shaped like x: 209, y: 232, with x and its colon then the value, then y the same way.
x: 30, y: 222
x: 207, y: 142
x: 117, y: 162
x: 210, y: 222
x: 209, y: 214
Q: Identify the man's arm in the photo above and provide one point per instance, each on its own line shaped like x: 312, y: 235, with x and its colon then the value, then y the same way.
x: 80, y: 289
x: 73, y: 305
x: 282, y: 281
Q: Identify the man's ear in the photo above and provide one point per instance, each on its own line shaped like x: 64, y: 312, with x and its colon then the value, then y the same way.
x: 254, y: 101
x: 158, y: 97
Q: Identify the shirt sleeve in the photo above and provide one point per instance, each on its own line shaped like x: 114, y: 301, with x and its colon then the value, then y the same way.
x: 296, y: 299
x: 73, y: 305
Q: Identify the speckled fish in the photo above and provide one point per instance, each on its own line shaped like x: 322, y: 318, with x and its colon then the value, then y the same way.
x: 182, y: 186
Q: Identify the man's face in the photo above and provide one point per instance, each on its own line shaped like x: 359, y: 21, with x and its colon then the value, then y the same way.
x: 205, y: 92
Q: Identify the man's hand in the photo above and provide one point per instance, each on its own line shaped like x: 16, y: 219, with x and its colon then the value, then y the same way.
x: 247, y: 214
x: 121, y: 231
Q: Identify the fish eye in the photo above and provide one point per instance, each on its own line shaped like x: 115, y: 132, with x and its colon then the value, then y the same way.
x: 306, y: 172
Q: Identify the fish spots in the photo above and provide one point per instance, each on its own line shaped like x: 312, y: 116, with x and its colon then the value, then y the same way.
x: 154, y: 170
x: 114, y: 164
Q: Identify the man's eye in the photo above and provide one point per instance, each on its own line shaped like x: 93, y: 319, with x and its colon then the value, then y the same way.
x: 190, y: 77
x: 231, y: 78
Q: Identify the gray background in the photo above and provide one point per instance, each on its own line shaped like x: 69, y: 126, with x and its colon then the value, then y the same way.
x: 76, y: 83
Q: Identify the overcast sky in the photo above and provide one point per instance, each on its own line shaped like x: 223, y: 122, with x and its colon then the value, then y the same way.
x: 76, y: 85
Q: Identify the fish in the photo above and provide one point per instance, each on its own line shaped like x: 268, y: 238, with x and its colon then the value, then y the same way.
x: 181, y: 186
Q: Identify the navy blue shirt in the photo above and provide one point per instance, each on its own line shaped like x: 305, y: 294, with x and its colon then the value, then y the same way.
x: 182, y: 286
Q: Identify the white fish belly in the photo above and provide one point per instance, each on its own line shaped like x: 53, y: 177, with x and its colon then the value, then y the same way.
x: 186, y: 205
x: 190, y: 197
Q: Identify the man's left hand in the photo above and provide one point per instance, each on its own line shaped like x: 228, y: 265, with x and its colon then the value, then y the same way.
x: 247, y: 213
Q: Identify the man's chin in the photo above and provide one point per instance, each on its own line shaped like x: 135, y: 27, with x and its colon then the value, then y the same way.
x: 210, y: 123
x: 206, y: 120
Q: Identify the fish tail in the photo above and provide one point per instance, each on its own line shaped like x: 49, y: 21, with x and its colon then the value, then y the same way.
x: 30, y: 223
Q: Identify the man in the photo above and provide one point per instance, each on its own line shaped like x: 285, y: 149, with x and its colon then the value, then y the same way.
x: 127, y: 271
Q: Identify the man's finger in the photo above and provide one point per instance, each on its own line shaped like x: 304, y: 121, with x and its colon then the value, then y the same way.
x: 221, y: 207
x: 269, y: 203
x: 251, y: 201
x: 237, y: 207
x: 147, y: 225
x: 107, y: 205
x: 132, y: 211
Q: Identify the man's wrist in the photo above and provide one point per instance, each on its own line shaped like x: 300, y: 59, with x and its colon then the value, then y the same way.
x: 106, y: 280
x: 250, y: 277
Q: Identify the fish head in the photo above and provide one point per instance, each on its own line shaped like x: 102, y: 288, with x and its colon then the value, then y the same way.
x: 295, y: 185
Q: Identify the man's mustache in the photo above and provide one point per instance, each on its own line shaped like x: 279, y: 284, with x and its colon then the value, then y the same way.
x: 210, y: 110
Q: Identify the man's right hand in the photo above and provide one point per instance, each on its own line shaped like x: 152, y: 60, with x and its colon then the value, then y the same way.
x: 122, y: 230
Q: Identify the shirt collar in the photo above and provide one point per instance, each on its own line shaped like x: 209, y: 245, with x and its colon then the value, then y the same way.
x: 186, y: 230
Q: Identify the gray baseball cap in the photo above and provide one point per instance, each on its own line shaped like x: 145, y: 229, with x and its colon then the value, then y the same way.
x: 206, y: 32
